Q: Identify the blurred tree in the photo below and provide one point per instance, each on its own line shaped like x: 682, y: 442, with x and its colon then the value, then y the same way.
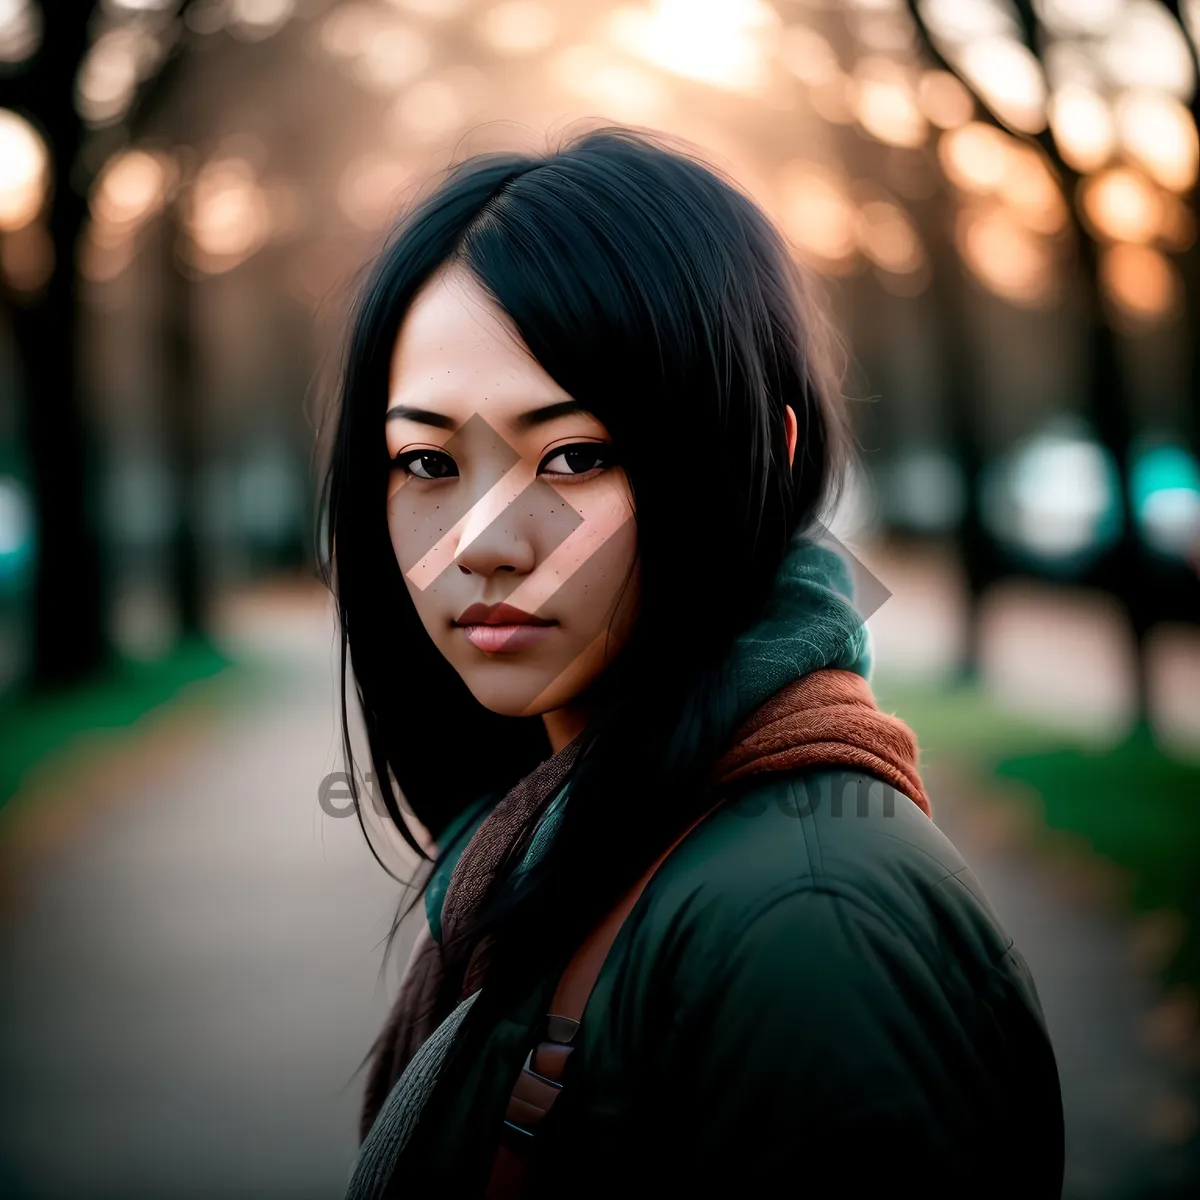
x: 181, y: 420
x: 946, y: 305
x: 1191, y: 258
x: 1125, y: 571
x: 68, y: 612
x: 69, y: 609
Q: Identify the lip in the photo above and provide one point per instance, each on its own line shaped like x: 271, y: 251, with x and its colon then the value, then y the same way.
x: 498, y: 614
x: 504, y: 639
x: 501, y: 628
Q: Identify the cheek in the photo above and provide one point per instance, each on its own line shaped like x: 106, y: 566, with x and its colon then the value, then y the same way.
x: 594, y: 567
x: 415, y: 530
x: 415, y: 524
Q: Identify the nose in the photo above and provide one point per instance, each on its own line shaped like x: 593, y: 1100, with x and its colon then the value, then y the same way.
x: 492, y: 539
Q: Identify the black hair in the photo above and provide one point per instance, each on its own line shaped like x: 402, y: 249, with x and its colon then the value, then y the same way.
x: 660, y: 297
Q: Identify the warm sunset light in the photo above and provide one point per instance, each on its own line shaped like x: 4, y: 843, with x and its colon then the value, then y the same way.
x: 516, y: 27
x: 885, y: 104
x: 944, y: 100
x: 1158, y: 132
x: 808, y: 56
x: 229, y: 215
x: 1122, y: 205
x: 1006, y: 257
x: 817, y: 215
x: 624, y: 90
x: 131, y: 188
x: 887, y: 236
x: 975, y: 157
x: 1009, y: 79
x: 1032, y: 190
x: 720, y: 42
x: 24, y: 167
x: 1141, y: 282
x: 1083, y: 127
x: 371, y: 188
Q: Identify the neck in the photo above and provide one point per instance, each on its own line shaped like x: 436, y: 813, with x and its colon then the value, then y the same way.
x: 563, y: 725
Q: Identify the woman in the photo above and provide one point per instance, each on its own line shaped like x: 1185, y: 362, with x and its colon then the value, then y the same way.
x: 590, y: 418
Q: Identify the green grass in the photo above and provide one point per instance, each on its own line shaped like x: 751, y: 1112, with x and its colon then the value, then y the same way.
x: 36, y: 726
x: 956, y: 721
x: 1137, y: 808
x: 1132, y: 803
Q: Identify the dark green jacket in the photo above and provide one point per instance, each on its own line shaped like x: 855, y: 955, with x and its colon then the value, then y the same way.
x: 812, y: 996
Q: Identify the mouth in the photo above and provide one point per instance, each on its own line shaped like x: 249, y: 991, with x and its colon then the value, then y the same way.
x: 501, y: 627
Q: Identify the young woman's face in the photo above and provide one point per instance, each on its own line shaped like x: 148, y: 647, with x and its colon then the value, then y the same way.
x: 510, y: 519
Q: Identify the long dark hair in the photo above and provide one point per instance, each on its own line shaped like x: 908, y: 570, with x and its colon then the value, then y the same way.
x: 659, y: 296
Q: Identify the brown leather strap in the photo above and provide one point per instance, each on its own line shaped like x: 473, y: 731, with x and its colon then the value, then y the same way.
x: 540, y: 1081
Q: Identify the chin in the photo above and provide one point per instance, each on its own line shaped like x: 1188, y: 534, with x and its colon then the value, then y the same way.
x: 513, y: 691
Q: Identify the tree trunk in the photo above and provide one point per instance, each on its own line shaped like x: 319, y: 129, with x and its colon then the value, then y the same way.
x: 181, y: 413
x: 962, y: 398
x: 69, y: 628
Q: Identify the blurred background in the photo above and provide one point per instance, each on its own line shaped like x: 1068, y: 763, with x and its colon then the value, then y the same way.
x: 1001, y: 196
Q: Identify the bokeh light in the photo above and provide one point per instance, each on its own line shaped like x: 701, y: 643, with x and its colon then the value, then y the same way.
x: 1158, y: 132
x: 391, y: 57
x: 16, y: 529
x: 623, y: 90
x: 1080, y: 16
x: 817, y: 216
x: 27, y: 258
x: 20, y: 30
x: 725, y: 43
x: 808, y: 55
x: 886, y: 105
x: 434, y: 10
x: 1145, y: 48
x: 1083, y: 127
x: 116, y: 63
x: 132, y: 187
x: 518, y: 27
x: 1006, y: 256
x: 252, y: 20
x: 229, y: 216
x: 1009, y: 78
x: 944, y: 100
x: 888, y: 237
x: 1141, y: 282
x: 1165, y: 489
x: 974, y: 157
x: 370, y: 190
x: 24, y: 170
x: 1122, y: 205
x: 1055, y: 497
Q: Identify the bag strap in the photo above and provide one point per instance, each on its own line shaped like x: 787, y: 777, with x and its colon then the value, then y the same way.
x: 540, y: 1081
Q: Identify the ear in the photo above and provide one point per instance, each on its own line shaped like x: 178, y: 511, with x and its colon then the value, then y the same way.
x: 791, y: 427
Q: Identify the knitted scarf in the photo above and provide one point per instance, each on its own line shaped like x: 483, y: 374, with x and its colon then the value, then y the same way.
x: 799, y: 676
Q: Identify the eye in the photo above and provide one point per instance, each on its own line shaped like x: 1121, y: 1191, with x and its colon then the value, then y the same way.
x: 426, y: 464
x: 579, y: 459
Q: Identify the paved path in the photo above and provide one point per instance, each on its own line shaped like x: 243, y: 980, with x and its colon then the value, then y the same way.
x: 190, y: 975
x: 1128, y: 1108
x: 191, y: 979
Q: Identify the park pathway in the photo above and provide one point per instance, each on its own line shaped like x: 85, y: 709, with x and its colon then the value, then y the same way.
x: 189, y: 969
x: 1128, y: 1105
x: 190, y: 977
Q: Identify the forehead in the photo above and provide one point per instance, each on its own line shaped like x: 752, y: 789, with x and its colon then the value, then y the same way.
x: 458, y: 352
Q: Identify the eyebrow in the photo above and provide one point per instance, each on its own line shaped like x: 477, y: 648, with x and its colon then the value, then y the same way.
x: 526, y: 421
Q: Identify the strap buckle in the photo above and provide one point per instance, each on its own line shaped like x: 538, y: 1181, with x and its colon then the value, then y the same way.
x: 527, y: 1068
x: 534, y: 1094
